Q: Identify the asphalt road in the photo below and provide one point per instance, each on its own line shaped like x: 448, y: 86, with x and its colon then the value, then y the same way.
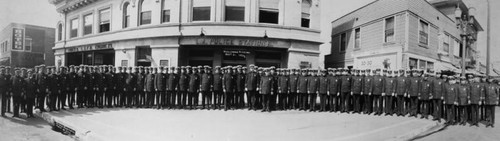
x: 32, y: 129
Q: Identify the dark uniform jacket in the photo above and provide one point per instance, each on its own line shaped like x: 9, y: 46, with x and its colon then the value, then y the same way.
x: 451, y: 94
x: 172, y: 82
x: 149, y: 82
x: 312, y: 85
x: 283, y: 84
x: 425, y: 90
x: 141, y: 77
x: 333, y: 84
x: 53, y: 84
x: 217, y: 82
x: 323, y: 84
x: 41, y: 81
x: 477, y: 92
x: 109, y: 77
x: 378, y: 85
x: 368, y: 85
x: 401, y: 85
x: 3, y: 83
x: 437, y: 88
x: 228, y: 82
x: 293, y: 80
x: 357, y: 85
x: 491, y: 94
x: 240, y: 82
x: 302, y: 84
x: 463, y: 94
x: 414, y: 86
x: 18, y: 85
x: 194, y: 83
x: 206, y: 82
x: 183, y: 82
x: 390, y: 85
x: 160, y: 82
x: 99, y: 82
x: 31, y: 86
x: 345, y: 85
x: 72, y: 81
x: 87, y: 81
x: 64, y: 79
x: 251, y: 81
x: 266, y: 83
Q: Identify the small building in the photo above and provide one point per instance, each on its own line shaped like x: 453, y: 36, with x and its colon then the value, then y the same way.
x: 279, y: 33
x: 24, y: 45
x: 407, y: 34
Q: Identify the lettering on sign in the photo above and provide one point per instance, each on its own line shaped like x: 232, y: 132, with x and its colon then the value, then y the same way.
x: 90, y: 47
x: 235, y: 42
x: 238, y: 53
x: 17, y: 39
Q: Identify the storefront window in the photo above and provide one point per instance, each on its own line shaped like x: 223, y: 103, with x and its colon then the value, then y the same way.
x: 306, y: 13
x: 413, y: 63
x: 430, y: 66
x: 201, y: 10
x: 235, y: 10
x: 269, y: 11
x: 88, y: 20
x: 104, y: 20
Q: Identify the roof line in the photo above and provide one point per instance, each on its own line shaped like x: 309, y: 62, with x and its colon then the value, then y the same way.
x: 355, y: 11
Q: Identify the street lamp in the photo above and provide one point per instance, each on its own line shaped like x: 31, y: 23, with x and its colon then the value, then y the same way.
x: 463, y: 21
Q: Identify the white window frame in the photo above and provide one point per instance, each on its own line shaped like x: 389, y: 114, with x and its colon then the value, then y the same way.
x: 340, y: 42
x: 30, y: 44
x: 384, y: 27
x: 71, y: 27
x: 83, y: 23
x: 108, y: 7
x: 420, y: 28
x: 359, y: 43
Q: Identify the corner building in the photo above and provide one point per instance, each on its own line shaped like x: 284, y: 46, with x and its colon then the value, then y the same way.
x: 404, y: 34
x: 188, y: 32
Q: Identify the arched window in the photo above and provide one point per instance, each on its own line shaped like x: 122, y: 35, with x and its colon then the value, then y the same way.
x: 145, y: 7
x: 59, y: 32
x: 165, y: 10
x: 126, y: 14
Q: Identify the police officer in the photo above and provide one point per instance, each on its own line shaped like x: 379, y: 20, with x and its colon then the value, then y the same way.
x: 463, y: 100
x: 72, y: 86
x: 30, y: 90
x: 437, y: 96
x: 65, y: 85
x: 228, y: 87
x: 172, y: 85
x: 160, y: 85
x: 206, y: 87
x: 302, y: 89
x: 292, y: 95
x: 282, y: 88
x: 149, y: 87
x: 390, y: 92
x: 333, y: 89
x: 8, y: 95
x: 476, y: 97
x: 323, y: 89
x: 424, y: 96
x: 357, y: 87
x: 367, y: 91
x: 217, y: 87
x: 193, y: 87
x: 183, y: 87
x: 4, y: 81
x: 378, y: 85
x: 18, y: 85
x: 451, y: 100
x: 345, y: 90
x: 491, y: 100
x: 239, y: 87
x: 251, y: 84
x: 266, y: 89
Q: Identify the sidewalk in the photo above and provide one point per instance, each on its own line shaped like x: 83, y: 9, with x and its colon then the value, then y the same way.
x: 238, y: 125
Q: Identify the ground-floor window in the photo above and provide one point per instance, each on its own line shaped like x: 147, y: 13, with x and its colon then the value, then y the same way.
x: 143, y: 55
x: 101, y: 57
x: 420, y: 64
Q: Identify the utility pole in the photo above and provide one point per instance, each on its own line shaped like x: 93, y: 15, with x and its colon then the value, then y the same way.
x: 488, y: 52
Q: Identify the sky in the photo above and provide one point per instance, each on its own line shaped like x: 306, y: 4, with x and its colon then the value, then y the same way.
x: 42, y: 13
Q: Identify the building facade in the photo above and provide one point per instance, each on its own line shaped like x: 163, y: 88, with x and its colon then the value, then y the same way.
x: 23, y: 45
x: 407, y: 34
x: 188, y: 32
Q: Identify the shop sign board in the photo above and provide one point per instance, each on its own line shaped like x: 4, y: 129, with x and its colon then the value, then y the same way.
x: 385, y: 61
x: 17, y: 39
x: 90, y: 47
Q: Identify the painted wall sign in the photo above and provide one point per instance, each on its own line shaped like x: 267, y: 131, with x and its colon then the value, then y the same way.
x: 18, y: 39
x: 90, y: 47
x: 388, y: 61
x: 225, y: 41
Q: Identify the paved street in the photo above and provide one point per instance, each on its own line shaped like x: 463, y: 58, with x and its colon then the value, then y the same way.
x: 33, y: 129
x: 240, y: 125
x: 467, y: 133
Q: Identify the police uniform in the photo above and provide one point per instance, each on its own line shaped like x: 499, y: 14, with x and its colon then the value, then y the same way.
x: 378, y: 86
x: 193, y: 89
x: 390, y: 93
x: 476, y: 97
x: 345, y: 90
x: 367, y: 92
x: 183, y: 87
x: 323, y: 90
x: 251, y: 84
x: 65, y: 84
x: 463, y: 100
x: 357, y: 87
x: 206, y: 87
x: 413, y: 93
x: 172, y: 86
x: 450, y: 101
x: 490, y: 102
x: 302, y: 89
x: 437, y: 96
x: 109, y: 88
x: 228, y: 87
x: 266, y: 89
x: 160, y: 81
x: 217, y: 87
x: 333, y: 89
x: 4, y: 81
x: 424, y: 97
x: 72, y: 86
x: 30, y: 89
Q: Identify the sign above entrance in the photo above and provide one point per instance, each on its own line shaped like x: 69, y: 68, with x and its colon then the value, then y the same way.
x: 90, y: 47
x: 228, y: 41
x: 18, y: 39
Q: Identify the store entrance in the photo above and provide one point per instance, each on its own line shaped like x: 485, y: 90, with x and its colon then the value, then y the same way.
x: 101, y: 57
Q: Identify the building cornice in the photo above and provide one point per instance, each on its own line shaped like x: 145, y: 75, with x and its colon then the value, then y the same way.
x: 70, y: 5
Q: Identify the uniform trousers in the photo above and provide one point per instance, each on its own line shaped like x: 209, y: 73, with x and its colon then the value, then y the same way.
x: 123, y: 97
x: 413, y: 105
x: 345, y: 97
x: 62, y: 99
x: 282, y: 100
x: 357, y: 102
x: 463, y: 114
x: 490, y: 114
x: 52, y: 100
x: 239, y: 99
x: 227, y: 100
x: 99, y: 98
x: 292, y: 97
x: 323, y: 101
x: 183, y: 99
x: 401, y: 105
x: 424, y: 108
x: 160, y: 96
x: 265, y: 102
x: 450, y: 113
x: 312, y: 101
x: 206, y: 99
x: 217, y: 99
x: 474, y: 113
x: 251, y: 99
x: 79, y: 98
x: 71, y: 98
x: 303, y: 102
x: 108, y: 98
x: 389, y: 104
x: 333, y: 102
x: 377, y: 104
x: 192, y: 100
x: 170, y: 99
x: 368, y: 104
x: 437, y: 106
x: 16, y: 102
x: 3, y: 101
x: 30, y: 101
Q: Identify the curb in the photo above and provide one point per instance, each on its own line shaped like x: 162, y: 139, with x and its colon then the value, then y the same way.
x: 77, y: 133
x: 420, y: 132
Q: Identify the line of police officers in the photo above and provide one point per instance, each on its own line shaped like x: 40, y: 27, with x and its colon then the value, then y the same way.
x: 455, y: 99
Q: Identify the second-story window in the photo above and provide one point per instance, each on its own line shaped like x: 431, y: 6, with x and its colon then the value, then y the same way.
x: 59, y: 32
x: 343, y: 42
x: 74, y: 28
x: 201, y: 10
x: 28, y: 43
x: 126, y: 14
x: 269, y: 11
x: 104, y: 20
x: 145, y: 7
x: 357, y: 38
x: 88, y: 20
x: 306, y: 13
x: 423, y: 32
x: 389, y: 30
x: 165, y: 10
x: 235, y: 10
x: 446, y: 43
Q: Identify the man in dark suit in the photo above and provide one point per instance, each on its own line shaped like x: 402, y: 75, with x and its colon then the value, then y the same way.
x: 183, y: 87
x: 30, y: 90
x: 217, y: 87
x: 160, y: 85
x: 149, y: 86
x: 228, y: 87
x: 18, y: 85
x: 193, y: 87
x: 251, y: 84
x: 302, y: 89
x: 239, y: 87
x: 206, y: 87
x: 4, y: 81
x: 266, y: 89
x: 172, y: 86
